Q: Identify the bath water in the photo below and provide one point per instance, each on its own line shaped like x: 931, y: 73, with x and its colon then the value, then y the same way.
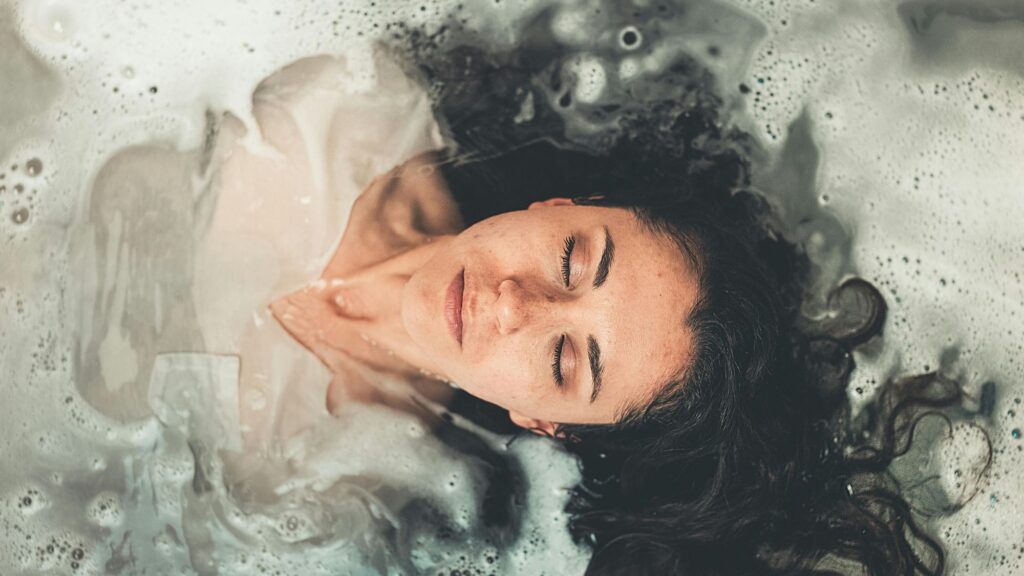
x: 890, y: 141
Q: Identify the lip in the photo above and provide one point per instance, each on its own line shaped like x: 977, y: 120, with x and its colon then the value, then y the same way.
x: 453, y: 306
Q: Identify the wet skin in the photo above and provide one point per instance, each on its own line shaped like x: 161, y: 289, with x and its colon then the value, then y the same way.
x: 569, y: 314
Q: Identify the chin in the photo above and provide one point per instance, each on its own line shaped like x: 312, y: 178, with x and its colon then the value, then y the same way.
x: 421, y: 320
x: 413, y: 316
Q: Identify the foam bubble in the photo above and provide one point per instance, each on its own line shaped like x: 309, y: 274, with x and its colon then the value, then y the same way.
x: 105, y: 509
x: 630, y: 38
x: 590, y: 79
x: 908, y: 164
x: 34, y: 167
x: 29, y: 500
x: 20, y: 216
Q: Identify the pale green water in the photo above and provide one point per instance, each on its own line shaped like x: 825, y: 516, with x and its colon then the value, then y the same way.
x: 892, y: 137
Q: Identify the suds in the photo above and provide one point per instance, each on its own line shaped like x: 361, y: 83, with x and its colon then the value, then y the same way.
x: 890, y: 139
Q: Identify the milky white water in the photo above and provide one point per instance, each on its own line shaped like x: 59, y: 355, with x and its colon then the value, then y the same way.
x: 892, y: 133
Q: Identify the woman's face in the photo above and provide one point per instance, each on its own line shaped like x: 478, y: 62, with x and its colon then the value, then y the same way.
x: 560, y: 313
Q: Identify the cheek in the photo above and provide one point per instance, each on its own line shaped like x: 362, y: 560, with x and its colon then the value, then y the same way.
x: 497, y: 238
x: 502, y: 377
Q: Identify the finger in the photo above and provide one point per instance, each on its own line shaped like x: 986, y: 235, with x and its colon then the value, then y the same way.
x: 297, y: 314
x: 350, y: 304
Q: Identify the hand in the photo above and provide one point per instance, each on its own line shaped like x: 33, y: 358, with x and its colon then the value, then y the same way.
x: 312, y: 318
x: 337, y: 333
x: 349, y: 302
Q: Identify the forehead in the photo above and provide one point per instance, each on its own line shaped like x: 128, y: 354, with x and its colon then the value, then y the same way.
x: 650, y: 293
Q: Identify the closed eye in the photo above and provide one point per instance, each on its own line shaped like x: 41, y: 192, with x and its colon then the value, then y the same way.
x: 570, y: 244
x: 556, y: 364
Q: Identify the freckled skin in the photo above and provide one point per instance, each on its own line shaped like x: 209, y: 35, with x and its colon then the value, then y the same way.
x: 516, y: 307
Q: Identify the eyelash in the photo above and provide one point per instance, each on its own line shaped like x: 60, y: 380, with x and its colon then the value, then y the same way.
x: 556, y: 365
x: 570, y: 243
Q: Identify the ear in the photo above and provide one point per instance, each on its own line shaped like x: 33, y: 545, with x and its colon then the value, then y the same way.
x: 542, y: 427
x: 551, y: 202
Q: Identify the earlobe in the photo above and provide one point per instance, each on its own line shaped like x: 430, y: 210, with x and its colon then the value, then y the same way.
x: 551, y: 202
x: 541, y: 427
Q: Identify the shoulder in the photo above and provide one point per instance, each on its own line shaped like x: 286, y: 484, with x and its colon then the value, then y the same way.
x: 398, y: 210
x: 411, y: 200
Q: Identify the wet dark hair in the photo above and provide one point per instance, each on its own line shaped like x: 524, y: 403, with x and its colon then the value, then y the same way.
x: 751, y: 464
x: 748, y: 465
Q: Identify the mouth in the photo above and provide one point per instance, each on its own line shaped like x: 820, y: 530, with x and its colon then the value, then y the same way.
x: 453, y: 306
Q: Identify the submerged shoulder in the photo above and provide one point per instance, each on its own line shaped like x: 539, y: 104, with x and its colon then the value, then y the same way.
x: 413, y: 199
x: 398, y: 210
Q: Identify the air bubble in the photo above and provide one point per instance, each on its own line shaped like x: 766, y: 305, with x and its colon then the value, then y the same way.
x: 34, y: 167
x: 56, y: 23
x: 105, y: 509
x: 20, y: 216
x: 630, y: 38
x: 30, y: 501
x: 1015, y: 433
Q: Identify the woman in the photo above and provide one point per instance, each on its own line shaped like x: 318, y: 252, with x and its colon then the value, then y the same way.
x: 534, y: 310
x: 652, y: 324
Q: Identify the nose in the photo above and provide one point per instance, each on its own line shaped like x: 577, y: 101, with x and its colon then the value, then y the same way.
x: 512, y: 309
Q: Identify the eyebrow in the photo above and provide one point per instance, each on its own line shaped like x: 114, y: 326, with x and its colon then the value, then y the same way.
x: 593, y: 350
x: 606, y: 259
x: 596, y: 368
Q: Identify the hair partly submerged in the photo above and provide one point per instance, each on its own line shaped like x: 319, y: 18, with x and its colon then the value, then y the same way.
x: 750, y: 464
